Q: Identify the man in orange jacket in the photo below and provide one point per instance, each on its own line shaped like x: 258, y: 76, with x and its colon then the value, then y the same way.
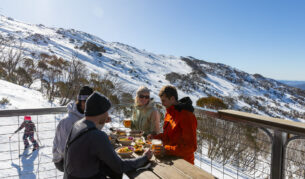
x: 180, y: 125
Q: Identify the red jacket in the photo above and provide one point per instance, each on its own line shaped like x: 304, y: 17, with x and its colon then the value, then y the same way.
x: 179, y: 131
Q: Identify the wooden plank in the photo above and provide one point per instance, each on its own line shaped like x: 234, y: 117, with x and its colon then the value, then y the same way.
x: 163, y: 170
x: 170, y: 167
x: 191, y: 170
x: 143, y: 174
x: 263, y: 121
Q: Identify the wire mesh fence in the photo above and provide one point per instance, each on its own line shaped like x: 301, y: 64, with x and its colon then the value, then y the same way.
x: 226, y: 149
x: 15, y: 161
x: 295, y: 158
x: 233, y: 150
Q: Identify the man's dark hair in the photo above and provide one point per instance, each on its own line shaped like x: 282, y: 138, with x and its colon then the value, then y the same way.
x: 169, y: 91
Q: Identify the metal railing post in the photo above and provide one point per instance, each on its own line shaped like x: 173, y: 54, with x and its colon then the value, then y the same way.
x: 277, y: 158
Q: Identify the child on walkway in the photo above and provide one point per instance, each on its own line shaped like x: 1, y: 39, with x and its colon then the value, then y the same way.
x: 28, y: 132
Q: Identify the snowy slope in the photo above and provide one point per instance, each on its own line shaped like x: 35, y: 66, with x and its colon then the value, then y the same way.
x: 135, y: 67
x: 21, y: 98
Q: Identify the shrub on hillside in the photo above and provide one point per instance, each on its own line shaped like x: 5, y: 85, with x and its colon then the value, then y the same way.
x: 195, y: 65
x: 172, y: 77
x: 38, y: 38
x: 4, y: 101
x: 91, y: 47
x: 211, y: 102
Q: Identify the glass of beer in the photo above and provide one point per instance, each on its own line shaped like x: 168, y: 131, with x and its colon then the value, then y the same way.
x: 127, y: 123
x: 156, y: 146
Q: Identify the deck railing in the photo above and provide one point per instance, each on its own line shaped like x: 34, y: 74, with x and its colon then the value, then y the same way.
x: 231, y: 144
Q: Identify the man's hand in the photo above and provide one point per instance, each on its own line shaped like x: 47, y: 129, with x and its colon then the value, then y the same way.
x: 148, y: 154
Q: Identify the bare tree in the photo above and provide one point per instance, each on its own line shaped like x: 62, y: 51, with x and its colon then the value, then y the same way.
x: 10, y: 59
x: 73, y: 79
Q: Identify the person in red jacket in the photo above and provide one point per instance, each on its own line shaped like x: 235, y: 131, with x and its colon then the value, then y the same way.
x: 180, y: 125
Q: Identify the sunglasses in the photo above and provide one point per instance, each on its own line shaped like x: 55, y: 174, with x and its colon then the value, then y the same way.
x: 143, y: 96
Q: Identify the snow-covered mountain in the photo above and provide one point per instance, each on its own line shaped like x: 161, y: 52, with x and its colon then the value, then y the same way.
x: 195, y: 78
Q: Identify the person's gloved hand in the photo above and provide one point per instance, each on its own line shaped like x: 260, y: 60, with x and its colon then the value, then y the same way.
x: 16, y: 131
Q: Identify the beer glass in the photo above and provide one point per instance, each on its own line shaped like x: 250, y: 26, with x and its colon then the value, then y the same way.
x: 127, y: 123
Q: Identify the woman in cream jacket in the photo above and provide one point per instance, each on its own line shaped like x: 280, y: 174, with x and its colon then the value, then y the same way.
x: 145, y: 116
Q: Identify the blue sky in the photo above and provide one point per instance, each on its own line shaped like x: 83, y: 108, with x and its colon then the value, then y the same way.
x: 256, y: 36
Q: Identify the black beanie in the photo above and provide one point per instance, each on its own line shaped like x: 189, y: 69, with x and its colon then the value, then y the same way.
x: 97, y: 104
x: 84, y: 93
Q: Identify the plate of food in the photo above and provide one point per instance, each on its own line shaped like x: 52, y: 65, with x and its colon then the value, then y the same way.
x: 125, y: 151
x: 138, y: 148
x: 117, y: 133
x: 139, y: 141
x: 125, y: 140
x: 136, y: 133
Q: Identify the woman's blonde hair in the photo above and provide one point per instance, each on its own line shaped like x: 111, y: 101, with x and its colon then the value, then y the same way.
x: 141, y: 90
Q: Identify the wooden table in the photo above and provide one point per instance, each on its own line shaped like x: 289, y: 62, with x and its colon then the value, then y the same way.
x: 170, y: 167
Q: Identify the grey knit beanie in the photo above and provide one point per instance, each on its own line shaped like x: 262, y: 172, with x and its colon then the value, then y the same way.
x: 97, y: 104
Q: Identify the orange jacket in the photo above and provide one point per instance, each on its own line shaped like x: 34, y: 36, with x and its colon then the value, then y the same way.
x: 179, y: 132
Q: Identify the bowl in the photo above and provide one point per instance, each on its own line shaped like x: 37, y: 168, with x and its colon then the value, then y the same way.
x: 120, y: 133
x: 139, y: 141
x: 125, y: 140
x: 125, y: 151
x: 117, y: 133
x: 136, y: 133
x: 138, y: 148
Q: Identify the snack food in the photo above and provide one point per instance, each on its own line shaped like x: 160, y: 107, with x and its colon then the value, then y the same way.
x: 139, y: 141
x: 125, y: 140
x: 136, y: 133
x: 138, y: 148
x: 125, y: 151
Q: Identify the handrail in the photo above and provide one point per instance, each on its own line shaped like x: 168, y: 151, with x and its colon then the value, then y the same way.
x: 263, y: 121
x: 278, y: 124
x: 229, y: 115
x: 36, y: 111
